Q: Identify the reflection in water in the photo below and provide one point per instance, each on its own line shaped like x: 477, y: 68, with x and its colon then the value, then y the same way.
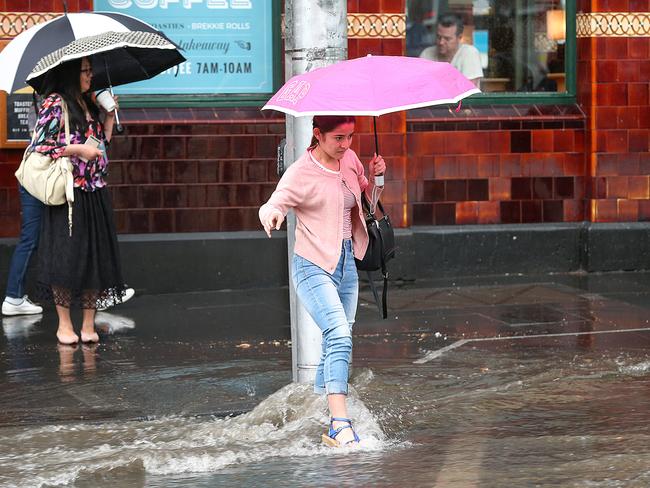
x: 20, y: 326
x: 110, y: 323
x: 66, y: 361
x: 17, y: 330
x: 67, y: 365
x: 89, y: 352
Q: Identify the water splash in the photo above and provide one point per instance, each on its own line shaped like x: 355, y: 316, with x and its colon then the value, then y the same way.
x: 286, y: 424
x: 638, y: 369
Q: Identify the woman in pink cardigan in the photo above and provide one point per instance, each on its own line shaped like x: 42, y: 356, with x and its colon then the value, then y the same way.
x: 324, y: 187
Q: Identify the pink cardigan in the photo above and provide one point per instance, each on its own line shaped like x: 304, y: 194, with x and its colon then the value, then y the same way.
x: 316, y: 196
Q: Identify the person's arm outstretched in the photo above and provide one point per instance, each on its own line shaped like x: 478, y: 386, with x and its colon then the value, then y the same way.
x: 288, y: 194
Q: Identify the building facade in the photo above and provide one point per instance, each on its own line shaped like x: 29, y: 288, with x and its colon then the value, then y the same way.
x: 572, y: 149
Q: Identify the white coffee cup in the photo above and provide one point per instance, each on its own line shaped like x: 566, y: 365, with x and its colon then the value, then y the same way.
x: 105, y: 100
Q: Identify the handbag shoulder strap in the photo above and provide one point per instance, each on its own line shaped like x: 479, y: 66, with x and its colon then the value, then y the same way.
x: 66, y: 121
x: 383, y: 307
x: 69, y: 182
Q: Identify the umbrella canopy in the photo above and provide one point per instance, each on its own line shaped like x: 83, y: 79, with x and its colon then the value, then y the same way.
x: 19, y: 57
x: 117, y: 58
x: 372, y: 85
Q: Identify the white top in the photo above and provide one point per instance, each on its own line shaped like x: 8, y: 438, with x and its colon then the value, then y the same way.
x: 349, y: 202
x: 467, y: 60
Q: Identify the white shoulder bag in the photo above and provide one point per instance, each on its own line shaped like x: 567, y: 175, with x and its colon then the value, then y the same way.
x: 46, y: 179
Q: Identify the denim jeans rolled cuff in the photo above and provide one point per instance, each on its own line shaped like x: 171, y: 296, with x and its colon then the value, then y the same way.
x: 336, y: 387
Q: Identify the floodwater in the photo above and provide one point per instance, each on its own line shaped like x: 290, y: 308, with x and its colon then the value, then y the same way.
x: 515, y: 385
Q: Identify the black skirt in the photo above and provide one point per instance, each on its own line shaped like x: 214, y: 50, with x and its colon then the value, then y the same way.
x: 83, y: 269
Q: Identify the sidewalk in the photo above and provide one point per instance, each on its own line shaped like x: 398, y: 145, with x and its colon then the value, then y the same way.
x: 216, y: 353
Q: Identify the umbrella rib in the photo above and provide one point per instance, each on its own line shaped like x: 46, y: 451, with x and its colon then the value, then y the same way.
x: 138, y: 63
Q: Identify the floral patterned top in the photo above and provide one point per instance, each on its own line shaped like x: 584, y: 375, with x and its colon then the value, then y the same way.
x: 50, y: 140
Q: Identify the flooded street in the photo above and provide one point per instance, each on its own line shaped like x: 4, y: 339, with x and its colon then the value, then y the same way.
x: 515, y: 383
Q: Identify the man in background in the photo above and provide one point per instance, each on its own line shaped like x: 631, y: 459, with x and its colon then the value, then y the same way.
x: 464, y: 57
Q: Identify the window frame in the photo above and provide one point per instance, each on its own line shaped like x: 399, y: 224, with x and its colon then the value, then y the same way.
x: 258, y: 99
x: 542, y: 98
x: 225, y: 100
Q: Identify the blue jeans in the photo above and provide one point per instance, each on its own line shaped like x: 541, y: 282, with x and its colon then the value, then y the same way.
x: 331, y: 300
x: 30, y: 228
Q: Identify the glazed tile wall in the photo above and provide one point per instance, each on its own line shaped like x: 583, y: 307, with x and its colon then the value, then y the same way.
x: 170, y: 176
x: 614, y: 88
x: 499, y: 164
x: 206, y: 176
x: 186, y: 170
x: 44, y: 5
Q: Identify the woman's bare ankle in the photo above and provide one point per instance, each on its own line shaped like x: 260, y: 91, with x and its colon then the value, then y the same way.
x: 88, y: 328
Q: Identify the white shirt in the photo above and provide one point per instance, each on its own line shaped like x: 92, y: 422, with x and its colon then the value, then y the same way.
x: 467, y: 60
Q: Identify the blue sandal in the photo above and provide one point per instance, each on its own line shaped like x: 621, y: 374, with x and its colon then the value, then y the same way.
x: 329, y: 439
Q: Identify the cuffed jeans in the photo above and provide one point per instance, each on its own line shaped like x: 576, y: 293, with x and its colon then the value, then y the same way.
x: 331, y: 300
x: 30, y: 228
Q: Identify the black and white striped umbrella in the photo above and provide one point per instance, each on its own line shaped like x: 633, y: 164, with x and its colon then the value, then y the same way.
x: 117, y: 58
x: 20, y: 56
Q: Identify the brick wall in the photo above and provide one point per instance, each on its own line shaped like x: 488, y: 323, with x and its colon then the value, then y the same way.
x: 168, y: 175
x: 185, y: 170
x: 614, y: 88
x: 9, y: 202
x: 496, y: 164
x: 44, y: 5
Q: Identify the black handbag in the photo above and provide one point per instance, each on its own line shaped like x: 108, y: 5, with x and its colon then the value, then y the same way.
x: 381, y: 249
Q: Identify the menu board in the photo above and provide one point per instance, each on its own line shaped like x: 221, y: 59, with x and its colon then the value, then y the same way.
x: 15, y: 112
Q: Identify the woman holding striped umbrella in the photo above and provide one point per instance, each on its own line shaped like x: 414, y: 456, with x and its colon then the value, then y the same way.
x: 82, y: 269
x: 119, y: 55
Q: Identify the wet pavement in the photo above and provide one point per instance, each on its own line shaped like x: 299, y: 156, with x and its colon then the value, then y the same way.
x: 485, y: 382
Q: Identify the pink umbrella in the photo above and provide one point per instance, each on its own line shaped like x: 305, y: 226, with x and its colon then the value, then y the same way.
x: 372, y: 86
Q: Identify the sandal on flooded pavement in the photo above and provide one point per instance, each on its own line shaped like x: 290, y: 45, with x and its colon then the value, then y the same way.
x: 329, y: 439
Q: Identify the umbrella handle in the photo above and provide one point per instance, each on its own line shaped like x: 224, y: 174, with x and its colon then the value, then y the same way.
x: 379, y: 179
x: 118, y: 126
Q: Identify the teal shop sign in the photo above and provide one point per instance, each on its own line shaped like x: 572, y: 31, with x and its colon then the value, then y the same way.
x: 227, y: 43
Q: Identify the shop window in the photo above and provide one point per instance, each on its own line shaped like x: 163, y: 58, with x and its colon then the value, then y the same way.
x: 513, y: 47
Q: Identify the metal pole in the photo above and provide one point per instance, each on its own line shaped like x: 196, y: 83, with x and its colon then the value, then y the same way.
x: 316, y: 35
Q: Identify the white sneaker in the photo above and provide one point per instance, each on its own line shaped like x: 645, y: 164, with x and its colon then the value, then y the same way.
x: 128, y: 294
x: 25, y: 308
